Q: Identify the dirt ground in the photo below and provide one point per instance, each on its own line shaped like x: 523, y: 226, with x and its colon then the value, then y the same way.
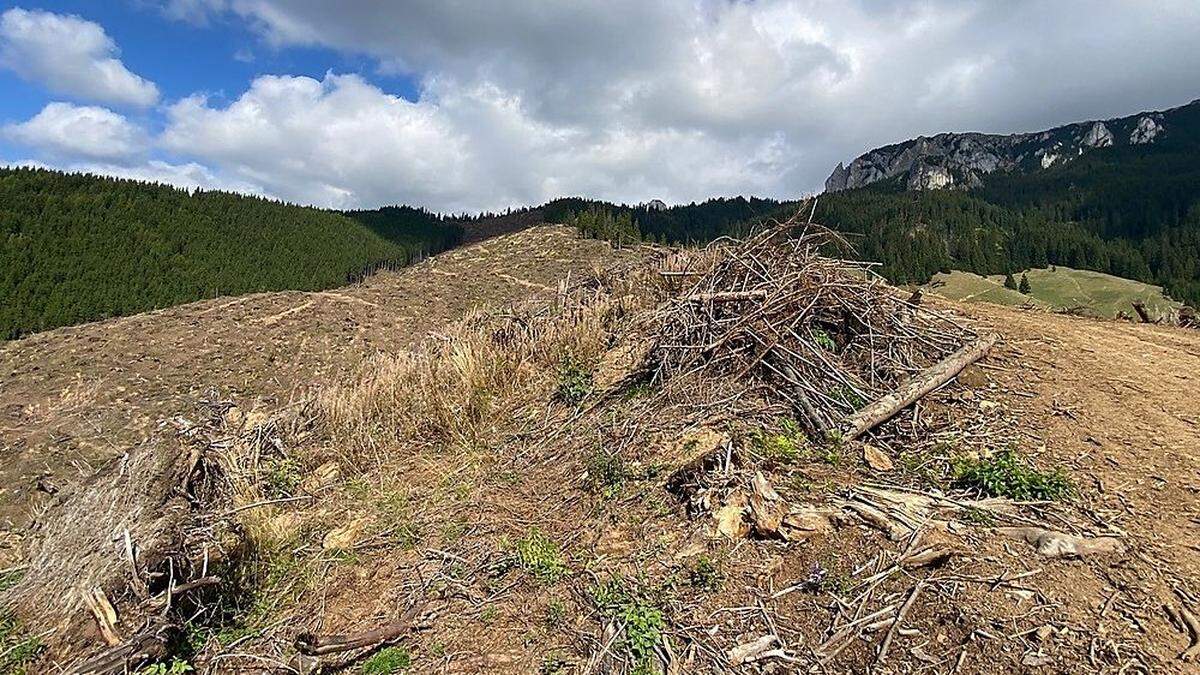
x: 74, y: 397
x: 1113, y: 404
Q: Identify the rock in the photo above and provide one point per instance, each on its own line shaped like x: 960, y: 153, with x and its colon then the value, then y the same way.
x: 1098, y: 136
x: 323, y: 476
x: 1053, y: 544
x: 877, y: 459
x: 1146, y: 131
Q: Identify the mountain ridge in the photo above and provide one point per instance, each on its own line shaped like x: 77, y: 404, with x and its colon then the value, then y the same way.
x: 963, y: 159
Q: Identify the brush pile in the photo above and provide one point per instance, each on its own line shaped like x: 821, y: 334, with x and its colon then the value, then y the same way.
x: 783, y: 311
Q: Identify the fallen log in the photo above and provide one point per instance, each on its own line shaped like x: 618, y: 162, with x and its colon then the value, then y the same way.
x: 148, y: 645
x: 945, y: 370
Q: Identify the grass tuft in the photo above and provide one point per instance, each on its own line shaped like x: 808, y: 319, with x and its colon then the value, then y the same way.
x: 574, y: 380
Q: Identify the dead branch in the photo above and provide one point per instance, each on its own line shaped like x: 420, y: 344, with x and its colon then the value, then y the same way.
x: 932, y: 378
x: 318, y: 645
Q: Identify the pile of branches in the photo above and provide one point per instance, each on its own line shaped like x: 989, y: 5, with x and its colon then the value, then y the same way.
x: 785, y: 309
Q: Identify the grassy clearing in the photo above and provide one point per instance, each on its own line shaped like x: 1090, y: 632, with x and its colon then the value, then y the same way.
x: 1057, y: 288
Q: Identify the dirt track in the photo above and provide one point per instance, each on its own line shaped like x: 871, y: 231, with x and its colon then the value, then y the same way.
x: 74, y: 397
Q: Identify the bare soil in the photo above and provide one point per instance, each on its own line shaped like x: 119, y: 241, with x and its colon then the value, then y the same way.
x: 74, y: 397
x: 1113, y: 404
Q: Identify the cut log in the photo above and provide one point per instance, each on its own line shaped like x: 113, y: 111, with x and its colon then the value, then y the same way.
x: 884, y: 408
x: 1143, y: 314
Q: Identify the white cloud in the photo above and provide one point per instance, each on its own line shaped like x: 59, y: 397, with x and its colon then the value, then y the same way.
x: 70, y: 56
x: 67, y: 130
x: 630, y: 99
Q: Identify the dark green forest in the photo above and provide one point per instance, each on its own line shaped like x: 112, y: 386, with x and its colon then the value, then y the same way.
x: 77, y: 247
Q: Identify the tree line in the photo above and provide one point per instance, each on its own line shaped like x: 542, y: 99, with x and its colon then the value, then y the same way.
x: 81, y: 247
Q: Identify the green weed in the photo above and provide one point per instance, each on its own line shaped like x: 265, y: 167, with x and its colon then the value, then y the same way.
x: 574, y: 380
x: 556, y: 613
x: 606, y: 474
x: 284, y: 475
x: 644, y: 623
x: 17, y: 648
x: 387, y: 661
x: 175, y: 667
x: 783, y: 447
x: 539, y: 555
x: 705, y: 573
x: 1005, y: 474
x: 823, y: 339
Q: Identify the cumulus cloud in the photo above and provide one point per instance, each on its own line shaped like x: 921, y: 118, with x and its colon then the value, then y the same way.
x: 67, y: 130
x: 759, y: 97
x: 70, y: 56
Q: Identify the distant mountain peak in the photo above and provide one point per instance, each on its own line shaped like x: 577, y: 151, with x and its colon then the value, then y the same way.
x: 962, y: 160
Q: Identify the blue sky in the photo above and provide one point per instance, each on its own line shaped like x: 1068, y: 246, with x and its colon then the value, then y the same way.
x: 468, y: 106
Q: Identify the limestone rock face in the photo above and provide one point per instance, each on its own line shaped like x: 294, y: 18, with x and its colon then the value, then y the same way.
x: 1098, y: 136
x: 964, y: 160
x: 1146, y: 131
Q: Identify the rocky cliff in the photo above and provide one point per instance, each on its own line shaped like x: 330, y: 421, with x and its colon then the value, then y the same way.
x: 962, y: 159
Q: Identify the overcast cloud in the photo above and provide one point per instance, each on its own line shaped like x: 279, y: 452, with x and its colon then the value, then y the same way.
x: 629, y: 100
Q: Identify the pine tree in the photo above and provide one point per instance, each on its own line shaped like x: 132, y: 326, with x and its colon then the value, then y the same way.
x: 1009, y: 282
x: 1025, y: 285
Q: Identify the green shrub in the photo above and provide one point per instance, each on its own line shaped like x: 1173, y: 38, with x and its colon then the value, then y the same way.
x: 1005, y: 474
x: 704, y: 572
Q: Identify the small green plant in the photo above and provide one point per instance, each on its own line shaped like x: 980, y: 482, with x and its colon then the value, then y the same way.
x: 1005, y: 474
x: 574, y: 380
x: 175, y: 667
x: 17, y: 648
x: 823, y: 339
x: 539, y: 555
x: 979, y: 517
x: 556, y: 613
x: 606, y: 474
x: 284, y: 475
x: 705, y: 573
x: 644, y: 623
x: 553, y: 664
x: 489, y: 614
x: 387, y: 661
x: 782, y: 447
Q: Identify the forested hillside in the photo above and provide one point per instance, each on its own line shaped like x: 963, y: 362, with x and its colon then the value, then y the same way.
x: 76, y: 248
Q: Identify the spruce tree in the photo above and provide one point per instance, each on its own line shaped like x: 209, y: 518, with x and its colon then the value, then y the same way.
x: 1009, y: 282
x: 1025, y: 285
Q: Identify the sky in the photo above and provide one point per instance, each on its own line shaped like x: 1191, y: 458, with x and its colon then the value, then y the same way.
x: 473, y: 105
